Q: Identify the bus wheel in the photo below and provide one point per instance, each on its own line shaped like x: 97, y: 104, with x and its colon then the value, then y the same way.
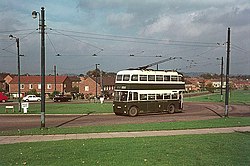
x: 133, y: 111
x: 171, y: 108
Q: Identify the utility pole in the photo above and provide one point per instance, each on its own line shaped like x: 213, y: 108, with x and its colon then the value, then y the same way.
x: 221, y: 80
x: 227, y: 73
x: 96, y: 65
x: 42, y: 27
x: 55, y: 76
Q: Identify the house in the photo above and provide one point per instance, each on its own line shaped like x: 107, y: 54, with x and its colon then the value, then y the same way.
x: 88, y: 87
x: 5, y: 79
x: 104, y: 85
x: 28, y: 83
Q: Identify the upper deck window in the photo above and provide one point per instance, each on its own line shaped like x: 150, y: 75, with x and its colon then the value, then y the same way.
x: 159, y: 77
x: 181, y: 78
x: 119, y: 78
x: 143, y: 77
x: 151, y: 77
x: 166, y: 78
x: 126, y: 77
x: 134, y: 78
x: 173, y: 78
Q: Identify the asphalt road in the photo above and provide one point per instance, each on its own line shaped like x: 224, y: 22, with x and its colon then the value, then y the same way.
x: 192, y: 111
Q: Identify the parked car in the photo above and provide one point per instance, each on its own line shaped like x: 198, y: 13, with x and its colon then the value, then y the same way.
x: 59, y: 98
x: 31, y: 98
x: 3, y: 98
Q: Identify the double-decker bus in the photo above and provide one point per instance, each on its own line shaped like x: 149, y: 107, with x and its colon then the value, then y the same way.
x: 148, y: 91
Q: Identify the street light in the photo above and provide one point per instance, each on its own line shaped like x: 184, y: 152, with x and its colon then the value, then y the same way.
x: 18, y: 70
x: 42, y: 27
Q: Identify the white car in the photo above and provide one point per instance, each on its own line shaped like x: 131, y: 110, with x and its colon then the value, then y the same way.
x: 31, y: 98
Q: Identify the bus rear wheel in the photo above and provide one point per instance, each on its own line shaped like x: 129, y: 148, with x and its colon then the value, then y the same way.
x: 171, y: 109
x: 133, y: 111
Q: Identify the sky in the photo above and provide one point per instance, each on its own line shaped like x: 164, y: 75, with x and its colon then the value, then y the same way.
x: 191, y: 35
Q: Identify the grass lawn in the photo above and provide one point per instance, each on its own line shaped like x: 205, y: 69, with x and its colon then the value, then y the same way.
x: 212, y: 123
x: 210, y: 149
x: 236, y: 97
x: 65, y: 108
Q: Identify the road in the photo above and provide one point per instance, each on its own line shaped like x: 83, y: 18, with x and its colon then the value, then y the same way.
x: 192, y: 111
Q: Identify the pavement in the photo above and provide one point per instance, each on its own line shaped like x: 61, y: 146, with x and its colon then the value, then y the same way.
x: 56, y: 137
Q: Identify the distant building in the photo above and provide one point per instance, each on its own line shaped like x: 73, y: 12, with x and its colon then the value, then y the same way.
x: 28, y: 83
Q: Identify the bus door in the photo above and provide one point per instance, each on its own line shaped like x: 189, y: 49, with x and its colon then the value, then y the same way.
x: 152, y: 105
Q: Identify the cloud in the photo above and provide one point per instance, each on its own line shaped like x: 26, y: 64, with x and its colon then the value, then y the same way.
x: 123, y: 20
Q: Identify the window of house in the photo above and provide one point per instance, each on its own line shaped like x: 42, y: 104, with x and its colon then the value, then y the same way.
x: 21, y: 86
x: 39, y: 86
x: 49, y: 86
x: 86, y: 88
x: 30, y: 86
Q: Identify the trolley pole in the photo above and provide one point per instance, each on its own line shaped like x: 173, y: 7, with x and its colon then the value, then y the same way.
x: 227, y: 73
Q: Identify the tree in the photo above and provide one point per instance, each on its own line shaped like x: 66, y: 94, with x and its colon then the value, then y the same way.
x: 210, y: 87
x: 32, y: 92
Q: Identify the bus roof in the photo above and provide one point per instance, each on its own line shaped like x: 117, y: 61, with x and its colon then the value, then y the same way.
x: 149, y: 72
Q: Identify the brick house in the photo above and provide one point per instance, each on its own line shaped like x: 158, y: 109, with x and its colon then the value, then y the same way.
x: 105, y: 86
x: 28, y: 83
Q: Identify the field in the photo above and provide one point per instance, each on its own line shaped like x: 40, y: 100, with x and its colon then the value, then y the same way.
x: 235, y: 97
x: 66, y: 108
x: 211, y: 149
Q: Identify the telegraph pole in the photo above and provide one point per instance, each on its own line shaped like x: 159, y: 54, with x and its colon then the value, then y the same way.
x: 227, y: 73
x: 221, y: 80
x: 42, y: 68
x: 55, y: 76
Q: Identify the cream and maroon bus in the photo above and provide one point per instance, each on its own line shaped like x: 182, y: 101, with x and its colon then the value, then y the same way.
x: 148, y: 91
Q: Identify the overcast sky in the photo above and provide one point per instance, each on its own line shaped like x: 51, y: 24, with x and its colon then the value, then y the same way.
x: 193, y: 31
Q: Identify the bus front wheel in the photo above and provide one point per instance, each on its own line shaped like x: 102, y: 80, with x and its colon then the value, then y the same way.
x: 133, y: 111
x: 171, y: 108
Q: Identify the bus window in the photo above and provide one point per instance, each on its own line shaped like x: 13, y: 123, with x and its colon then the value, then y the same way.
x: 166, y: 96
x: 159, y: 77
x: 151, y: 96
x: 181, y: 78
x: 175, y: 96
x: 159, y: 96
x: 143, y: 96
x: 143, y: 77
x: 135, y: 97
x: 166, y: 78
x: 151, y: 77
x: 134, y: 78
x: 124, y: 96
x: 126, y: 77
x: 130, y: 96
x: 173, y: 78
x: 119, y: 78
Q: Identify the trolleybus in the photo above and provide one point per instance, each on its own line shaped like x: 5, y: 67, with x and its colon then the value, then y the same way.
x: 148, y: 91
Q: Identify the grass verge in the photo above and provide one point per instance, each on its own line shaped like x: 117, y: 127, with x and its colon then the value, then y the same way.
x: 210, y: 149
x: 213, y: 123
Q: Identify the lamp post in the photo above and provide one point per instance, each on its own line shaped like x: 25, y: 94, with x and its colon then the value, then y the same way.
x: 96, y: 67
x: 18, y: 71
x: 42, y: 28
